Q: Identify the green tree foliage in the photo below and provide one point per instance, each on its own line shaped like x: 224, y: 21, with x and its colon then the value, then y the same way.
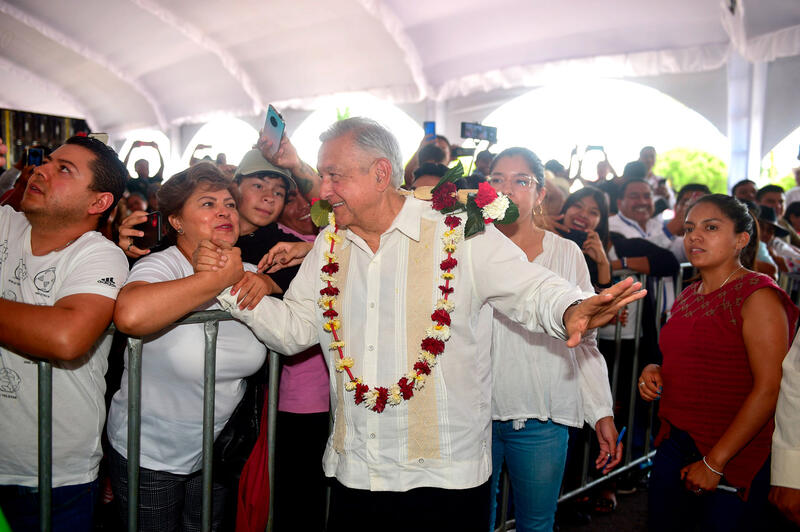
x: 685, y: 165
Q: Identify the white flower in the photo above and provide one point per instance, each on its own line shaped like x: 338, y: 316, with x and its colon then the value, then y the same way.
x: 325, y: 301
x: 351, y: 385
x: 394, y: 396
x: 342, y: 363
x: 440, y: 332
x: 371, y: 397
x: 331, y: 219
x: 419, y: 382
x: 446, y: 305
x: 427, y: 356
x: 326, y: 278
x: 496, y: 210
x: 335, y: 346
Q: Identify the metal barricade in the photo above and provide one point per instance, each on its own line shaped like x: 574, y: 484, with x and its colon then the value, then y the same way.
x: 211, y: 320
x: 790, y: 283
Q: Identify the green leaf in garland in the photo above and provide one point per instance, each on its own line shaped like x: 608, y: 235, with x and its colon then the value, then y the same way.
x: 475, y: 223
x: 512, y: 213
x: 319, y: 212
x: 451, y: 176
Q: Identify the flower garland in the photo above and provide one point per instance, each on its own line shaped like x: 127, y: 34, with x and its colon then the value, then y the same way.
x: 432, y: 346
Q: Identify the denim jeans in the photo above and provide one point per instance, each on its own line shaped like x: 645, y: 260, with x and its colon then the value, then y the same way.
x: 73, y: 507
x: 535, y: 456
x: 672, y: 507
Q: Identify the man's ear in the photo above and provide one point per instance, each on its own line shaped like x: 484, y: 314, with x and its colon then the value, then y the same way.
x: 101, y: 202
x: 383, y: 173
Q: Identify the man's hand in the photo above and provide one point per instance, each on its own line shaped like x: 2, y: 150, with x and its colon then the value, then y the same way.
x: 251, y: 288
x: 788, y: 502
x: 598, y: 310
x: 610, y: 453
x: 285, y: 156
x: 220, y: 258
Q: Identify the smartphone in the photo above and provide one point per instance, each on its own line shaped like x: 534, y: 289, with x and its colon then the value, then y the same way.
x: 34, y: 156
x: 273, y: 129
x: 473, y: 130
x: 579, y: 237
x: 152, y: 232
x: 430, y: 130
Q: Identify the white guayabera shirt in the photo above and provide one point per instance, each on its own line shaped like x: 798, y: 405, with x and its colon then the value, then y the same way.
x: 441, y: 437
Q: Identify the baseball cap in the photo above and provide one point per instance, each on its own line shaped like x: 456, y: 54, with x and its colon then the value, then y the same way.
x: 255, y: 165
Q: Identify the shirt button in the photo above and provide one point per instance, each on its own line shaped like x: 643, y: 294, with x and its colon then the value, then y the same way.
x: 371, y: 348
x: 421, y: 460
x: 372, y: 304
x: 372, y: 436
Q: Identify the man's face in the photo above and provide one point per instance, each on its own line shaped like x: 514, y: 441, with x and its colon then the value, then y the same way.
x: 348, y: 180
x: 648, y: 158
x: 262, y: 200
x: 775, y: 200
x: 142, y: 168
x: 637, y: 203
x: 59, y: 188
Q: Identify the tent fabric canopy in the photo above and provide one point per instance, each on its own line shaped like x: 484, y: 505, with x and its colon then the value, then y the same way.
x: 151, y: 63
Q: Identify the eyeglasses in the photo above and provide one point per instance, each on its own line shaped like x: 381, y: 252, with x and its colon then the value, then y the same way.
x: 516, y: 181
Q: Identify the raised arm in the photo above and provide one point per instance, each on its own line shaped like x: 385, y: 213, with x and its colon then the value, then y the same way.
x: 307, y: 179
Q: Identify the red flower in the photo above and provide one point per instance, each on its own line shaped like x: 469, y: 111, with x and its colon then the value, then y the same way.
x: 331, y: 268
x: 444, y: 196
x: 406, y: 388
x: 487, y: 221
x: 452, y: 221
x: 422, y: 367
x: 486, y: 195
x: 361, y: 389
x: 329, y: 291
x: 380, y: 401
x: 433, y: 345
x: 446, y: 289
x: 441, y: 317
x: 448, y: 264
x: 330, y: 313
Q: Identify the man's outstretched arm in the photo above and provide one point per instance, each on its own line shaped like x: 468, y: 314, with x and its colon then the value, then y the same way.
x: 65, y: 331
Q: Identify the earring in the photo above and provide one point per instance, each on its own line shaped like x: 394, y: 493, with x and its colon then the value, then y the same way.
x: 180, y: 231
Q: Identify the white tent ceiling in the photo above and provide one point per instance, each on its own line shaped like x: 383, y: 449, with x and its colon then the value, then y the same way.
x: 124, y: 64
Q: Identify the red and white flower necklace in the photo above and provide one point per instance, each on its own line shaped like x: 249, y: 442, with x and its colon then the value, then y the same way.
x: 432, y: 346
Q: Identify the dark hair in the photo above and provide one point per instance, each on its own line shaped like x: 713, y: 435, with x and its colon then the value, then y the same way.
x: 484, y: 155
x: 602, y: 203
x: 554, y: 166
x: 531, y: 159
x: 767, y: 189
x: 108, y: 172
x: 627, y: 182
x: 646, y: 148
x: 634, y: 170
x: 691, y: 187
x: 430, y: 169
x: 735, y: 211
x: 431, y: 153
x: 739, y: 184
x: 793, y: 209
x: 176, y: 190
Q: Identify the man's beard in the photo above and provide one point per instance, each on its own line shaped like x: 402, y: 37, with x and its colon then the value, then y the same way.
x: 54, y: 217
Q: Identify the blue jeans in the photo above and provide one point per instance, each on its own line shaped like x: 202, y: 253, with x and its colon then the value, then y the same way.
x: 672, y: 507
x: 73, y: 507
x: 535, y: 456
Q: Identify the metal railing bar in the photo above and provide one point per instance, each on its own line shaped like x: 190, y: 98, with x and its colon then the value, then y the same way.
x: 272, y: 423
x: 134, y: 429
x: 210, y: 329
x: 45, y: 449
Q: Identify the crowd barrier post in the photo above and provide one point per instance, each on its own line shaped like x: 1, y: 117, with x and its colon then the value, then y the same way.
x: 45, y: 444
x: 134, y: 429
x: 634, y: 388
x: 272, y: 423
x: 210, y: 329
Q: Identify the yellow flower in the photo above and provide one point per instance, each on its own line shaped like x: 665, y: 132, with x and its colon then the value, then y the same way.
x: 335, y: 346
x: 332, y: 325
x: 330, y: 236
x: 351, y: 385
x: 330, y: 256
x: 331, y: 219
x: 450, y: 248
x: 342, y: 363
x: 447, y: 276
x: 440, y: 332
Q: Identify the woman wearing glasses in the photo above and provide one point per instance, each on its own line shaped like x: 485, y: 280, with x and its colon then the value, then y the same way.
x: 540, y: 386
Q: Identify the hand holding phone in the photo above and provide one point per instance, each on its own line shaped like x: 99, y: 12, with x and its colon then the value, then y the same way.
x: 151, y: 228
x: 274, y: 126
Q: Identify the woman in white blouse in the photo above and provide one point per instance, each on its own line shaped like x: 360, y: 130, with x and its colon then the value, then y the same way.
x: 540, y: 387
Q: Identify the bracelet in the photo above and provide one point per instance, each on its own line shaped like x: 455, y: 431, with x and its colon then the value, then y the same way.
x: 711, y: 468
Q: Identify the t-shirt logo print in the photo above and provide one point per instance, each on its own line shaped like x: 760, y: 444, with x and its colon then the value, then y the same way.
x: 3, y: 252
x: 45, y: 279
x: 108, y: 281
x: 21, y: 272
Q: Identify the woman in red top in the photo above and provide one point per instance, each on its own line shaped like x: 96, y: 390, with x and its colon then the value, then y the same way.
x: 722, y: 347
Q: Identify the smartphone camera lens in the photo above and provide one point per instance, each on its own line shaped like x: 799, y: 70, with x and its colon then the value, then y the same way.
x: 273, y: 121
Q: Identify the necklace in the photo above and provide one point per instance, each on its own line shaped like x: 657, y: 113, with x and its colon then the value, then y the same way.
x: 728, y: 278
x: 432, y: 346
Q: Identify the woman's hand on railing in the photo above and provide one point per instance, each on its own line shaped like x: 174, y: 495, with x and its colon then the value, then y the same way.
x: 221, y: 259
x: 252, y: 287
x: 283, y: 255
x: 650, y: 384
x: 127, y: 234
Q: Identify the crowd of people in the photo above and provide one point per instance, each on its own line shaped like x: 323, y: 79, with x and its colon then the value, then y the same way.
x: 420, y: 362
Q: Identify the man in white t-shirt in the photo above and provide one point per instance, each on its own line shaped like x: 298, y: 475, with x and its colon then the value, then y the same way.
x: 58, y: 283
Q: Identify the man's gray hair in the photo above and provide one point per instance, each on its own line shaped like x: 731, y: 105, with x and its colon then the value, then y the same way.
x: 370, y: 136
